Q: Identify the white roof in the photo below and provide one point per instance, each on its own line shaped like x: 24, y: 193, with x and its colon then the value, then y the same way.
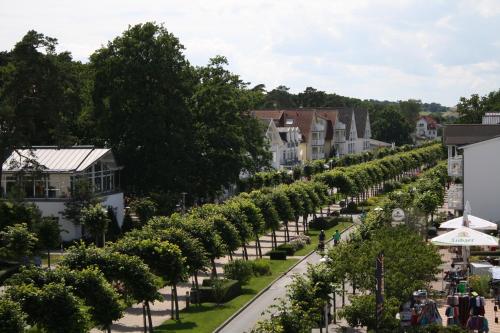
x: 54, y: 159
x: 474, y: 223
x: 465, y: 237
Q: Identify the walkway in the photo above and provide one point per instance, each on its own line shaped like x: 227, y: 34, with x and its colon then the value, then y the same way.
x: 132, y: 321
x: 247, y: 319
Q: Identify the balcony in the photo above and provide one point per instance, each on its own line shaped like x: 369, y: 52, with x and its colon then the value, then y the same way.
x: 317, y: 156
x: 456, y: 197
x: 318, y: 142
x: 456, y: 166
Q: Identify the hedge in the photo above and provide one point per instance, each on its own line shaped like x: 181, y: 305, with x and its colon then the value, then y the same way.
x: 277, y: 255
x: 231, y: 289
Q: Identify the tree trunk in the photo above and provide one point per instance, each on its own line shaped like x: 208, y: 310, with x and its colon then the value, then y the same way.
x: 109, y: 329
x: 176, y: 302
x: 144, y: 317
x: 231, y: 255
x: 48, y: 257
x: 297, y: 225
x: 103, y: 239
x: 287, y: 235
x: 150, y: 320
x: 197, y: 286
x: 214, y: 268
x: 245, y: 254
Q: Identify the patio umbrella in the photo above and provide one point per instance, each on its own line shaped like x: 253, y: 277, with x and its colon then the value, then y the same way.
x: 465, y: 236
x: 474, y: 223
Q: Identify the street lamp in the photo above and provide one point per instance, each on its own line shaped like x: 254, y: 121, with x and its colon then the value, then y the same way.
x: 323, y: 260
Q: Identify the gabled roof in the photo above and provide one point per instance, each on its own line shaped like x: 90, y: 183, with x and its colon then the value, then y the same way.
x: 494, y: 139
x: 361, y: 117
x: 53, y: 159
x: 301, y: 119
x: 276, y: 115
x: 345, y: 116
x: 464, y: 134
x: 431, y: 122
x: 331, y: 116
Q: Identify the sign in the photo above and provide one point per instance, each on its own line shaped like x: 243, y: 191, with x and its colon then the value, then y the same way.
x: 379, y: 291
x: 398, y: 215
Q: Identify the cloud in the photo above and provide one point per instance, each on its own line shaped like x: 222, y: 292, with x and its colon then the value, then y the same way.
x: 385, y: 49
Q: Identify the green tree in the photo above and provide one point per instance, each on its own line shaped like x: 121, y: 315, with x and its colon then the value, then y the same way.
x: 390, y: 126
x: 142, y: 85
x: 271, y: 217
x: 145, y: 208
x: 279, y: 98
x: 227, y: 139
x: 12, y: 319
x: 52, y: 307
x: 82, y: 196
x: 410, y: 110
x: 95, y: 219
x: 39, y: 94
x: 17, y: 241
x: 164, y: 258
x: 48, y: 233
x: 471, y: 110
x: 312, y: 98
x: 428, y: 202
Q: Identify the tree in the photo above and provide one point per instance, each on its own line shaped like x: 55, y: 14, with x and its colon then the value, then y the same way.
x: 227, y: 139
x: 428, y: 202
x: 471, y: 110
x: 145, y: 208
x: 312, y: 98
x: 142, y: 85
x: 254, y: 219
x: 95, y: 219
x: 12, y: 319
x: 52, y: 307
x: 410, y: 110
x: 82, y: 196
x: 49, y: 235
x: 361, y: 313
x: 390, y: 126
x: 17, y: 241
x: 114, y: 231
x: 268, y: 211
x: 103, y: 301
x: 39, y: 94
x: 279, y: 98
x: 233, y: 212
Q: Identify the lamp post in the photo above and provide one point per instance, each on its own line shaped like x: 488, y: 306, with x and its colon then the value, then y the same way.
x: 324, y: 260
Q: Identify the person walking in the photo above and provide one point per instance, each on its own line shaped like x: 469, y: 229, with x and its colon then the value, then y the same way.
x: 321, y: 245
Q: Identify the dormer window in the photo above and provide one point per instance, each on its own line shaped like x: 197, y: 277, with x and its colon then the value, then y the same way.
x: 289, y: 121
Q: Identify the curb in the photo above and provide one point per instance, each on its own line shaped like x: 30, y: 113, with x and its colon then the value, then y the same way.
x: 247, y: 304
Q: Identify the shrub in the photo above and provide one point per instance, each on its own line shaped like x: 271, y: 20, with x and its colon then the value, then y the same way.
x: 287, y: 248
x: 229, y: 289
x: 480, y: 284
x: 261, y: 267
x: 298, y: 243
x: 323, y: 223
x: 240, y: 270
x: 277, y: 255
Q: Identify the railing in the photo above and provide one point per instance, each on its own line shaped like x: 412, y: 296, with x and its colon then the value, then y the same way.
x: 456, y: 166
x: 318, y: 142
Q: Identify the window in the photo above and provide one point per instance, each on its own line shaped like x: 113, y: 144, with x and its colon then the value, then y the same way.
x: 289, y: 121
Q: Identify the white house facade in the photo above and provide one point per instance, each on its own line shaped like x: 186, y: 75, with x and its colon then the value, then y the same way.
x: 47, y: 176
x: 426, y: 128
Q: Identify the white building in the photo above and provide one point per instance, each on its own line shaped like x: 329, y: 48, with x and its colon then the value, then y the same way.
x: 426, y: 128
x: 481, y: 178
x: 47, y: 176
x: 491, y: 118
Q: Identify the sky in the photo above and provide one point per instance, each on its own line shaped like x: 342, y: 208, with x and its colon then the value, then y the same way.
x: 432, y: 50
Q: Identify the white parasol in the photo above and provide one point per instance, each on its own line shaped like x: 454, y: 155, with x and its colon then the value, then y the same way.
x: 465, y: 236
x: 474, y: 223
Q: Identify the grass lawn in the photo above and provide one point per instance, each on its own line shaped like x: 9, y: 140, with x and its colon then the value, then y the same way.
x: 54, y: 259
x: 208, y: 316
x: 314, y: 234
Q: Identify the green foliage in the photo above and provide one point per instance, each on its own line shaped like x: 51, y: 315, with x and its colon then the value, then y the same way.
x: 96, y: 221
x: 285, y: 318
x: 219, y: 290
x: 480, y: 284
x: 390, y: 125
x: 17, y: 241
x: 261, y: 267
x: 277, y: 255
x: 361, y: 312
x: 240, y: 270
x: 12, y: 319
x: 33, y: 77
x: 52, y: 307
x: 135, y: 279
x: 471, y: 110
x: 82, y: 196
x: 145, y: 208
x: 113, y: 232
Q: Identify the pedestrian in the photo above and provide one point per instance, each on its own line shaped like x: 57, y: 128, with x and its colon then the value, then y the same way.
x: 321, y: 244
x: 336, y: 238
